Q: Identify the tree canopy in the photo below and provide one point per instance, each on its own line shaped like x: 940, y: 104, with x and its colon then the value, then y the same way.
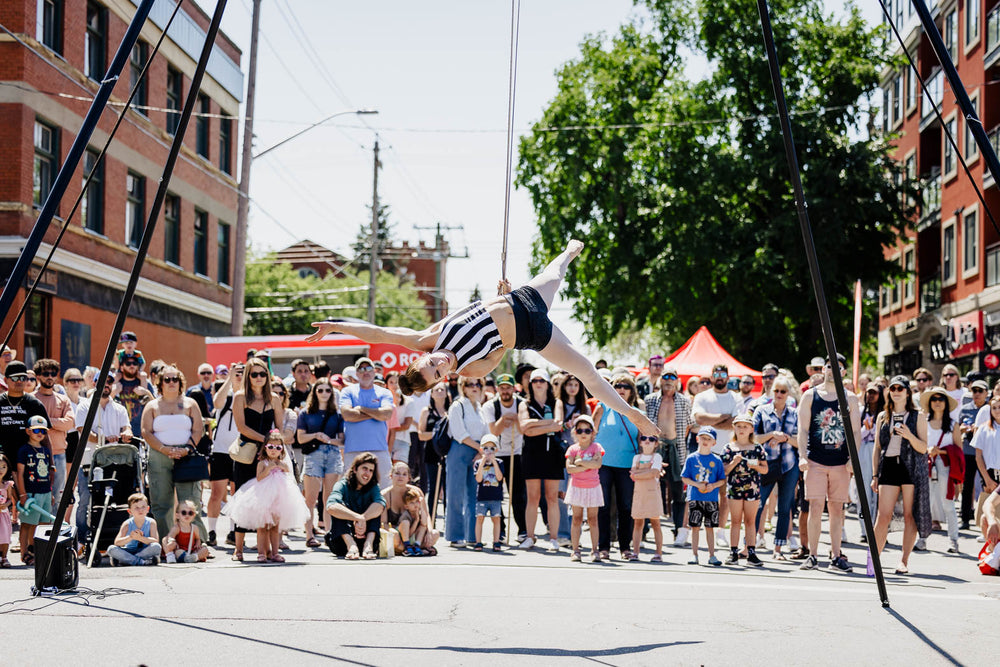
x: 680, y: 187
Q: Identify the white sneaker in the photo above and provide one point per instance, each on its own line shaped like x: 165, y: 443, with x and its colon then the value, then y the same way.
x: 760, y: 542
x: 721, y: 541
x: 553, y: 545
x: 981, y: 539
x: 793, y: 544
x: 171, y: 557
x: 682, y: 536
x: 921, y: 545
x: 527, y: 544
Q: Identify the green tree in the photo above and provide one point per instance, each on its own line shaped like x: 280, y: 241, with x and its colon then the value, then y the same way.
x: 681, y: 190
x: 280, y: 301
x: 386, y: 237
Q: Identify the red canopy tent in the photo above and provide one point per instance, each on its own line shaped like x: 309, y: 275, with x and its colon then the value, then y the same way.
x: 701, y: 352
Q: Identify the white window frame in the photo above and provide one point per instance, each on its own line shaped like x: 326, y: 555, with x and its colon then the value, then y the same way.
x: 976, y: 34
x: 910, y: 92
x: 898, y: 101
x: 947, y: 281
x: 910, y: 160
x: 946, y: 35
x: 947, y: 147
x: 973, y: 269
x: 970, y: 149
x: 896, y: 288
x: 883, y: 300
x: 910, y: 281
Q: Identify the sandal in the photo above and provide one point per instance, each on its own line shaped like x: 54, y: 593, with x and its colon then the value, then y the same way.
x: 277, y: 559
x: 261, y: 558
x: 656, y: 559
x: 312, y: 542
x: 352, y: 553
x: 478, y: 546
x: 4, y: 563
x: 575, y: 556
x: 238, y: 556
x: 633, y: 557
x: 778, y: 556
x: 801, y: 554
x: 626, y: 555
x: 497, y: 546
x: 430, y: 551
x: 604, y: 554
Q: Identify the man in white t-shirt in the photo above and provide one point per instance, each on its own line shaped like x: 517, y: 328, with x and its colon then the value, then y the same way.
x: 500, y: 414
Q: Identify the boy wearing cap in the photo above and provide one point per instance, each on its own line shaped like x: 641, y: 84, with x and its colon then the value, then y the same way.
x: 489, y: 492
x: 129, y: 341
x: 34, y: 483
x: 704, y: 475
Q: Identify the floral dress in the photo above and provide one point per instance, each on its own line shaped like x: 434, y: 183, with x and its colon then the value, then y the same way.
x: 743, y: 482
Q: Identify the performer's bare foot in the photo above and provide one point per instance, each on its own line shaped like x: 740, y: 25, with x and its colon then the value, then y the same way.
x: 643, y: 423
x: 574, y: 248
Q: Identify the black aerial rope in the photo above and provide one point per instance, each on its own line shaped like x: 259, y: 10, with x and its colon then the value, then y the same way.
x: 140, y: 257
x: 93, y: 173
x: 940, y: 119
x: 73, y: 158
x: 818, y: 292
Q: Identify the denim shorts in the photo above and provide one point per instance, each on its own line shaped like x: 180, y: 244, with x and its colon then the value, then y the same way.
x: 488, y: 508
x: 326, y: 460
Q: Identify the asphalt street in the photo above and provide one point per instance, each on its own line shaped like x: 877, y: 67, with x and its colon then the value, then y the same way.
x: 524, y: 608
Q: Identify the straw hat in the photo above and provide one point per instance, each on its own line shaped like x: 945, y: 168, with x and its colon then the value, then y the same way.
x: 925, y: 399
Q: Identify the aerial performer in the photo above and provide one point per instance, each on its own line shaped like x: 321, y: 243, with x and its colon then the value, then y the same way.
x: 472, y: 341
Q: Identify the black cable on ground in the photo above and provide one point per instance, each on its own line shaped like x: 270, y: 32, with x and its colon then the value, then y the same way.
x: 937, y: 113
x: 140, y: 258
x: 93, y: 172
x: 818, y: 292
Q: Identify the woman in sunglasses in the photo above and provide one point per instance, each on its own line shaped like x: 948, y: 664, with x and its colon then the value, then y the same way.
x: 543, y: 462
x: 466, y: 428
x: 944, y: 448
x: 171, y: 424
x: 472, y: 341
x: 257, y: 410
x: 620, y: 440
x: 321, y: 436
x: 900, y: 464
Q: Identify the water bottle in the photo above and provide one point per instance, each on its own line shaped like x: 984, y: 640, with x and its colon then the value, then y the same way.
x: 98, y: 474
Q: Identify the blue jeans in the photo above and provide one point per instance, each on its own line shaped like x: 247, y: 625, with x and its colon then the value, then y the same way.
x: 460, y: 516
x: 58, y: 478
x: 786, y: 496
x: 126, y: 557
x: 82, y: 505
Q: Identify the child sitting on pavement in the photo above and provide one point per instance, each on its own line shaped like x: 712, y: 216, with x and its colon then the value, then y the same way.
x: 704, y: 475
x: 137, y: 542
x: 183, y: 544
x: 412, y: 527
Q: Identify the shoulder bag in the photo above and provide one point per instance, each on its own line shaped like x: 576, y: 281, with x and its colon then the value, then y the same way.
x: 191, y: 468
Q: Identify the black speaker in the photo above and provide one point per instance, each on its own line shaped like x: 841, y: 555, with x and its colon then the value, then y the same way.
x: 65, y: 572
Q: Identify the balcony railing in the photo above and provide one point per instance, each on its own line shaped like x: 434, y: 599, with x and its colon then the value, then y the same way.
x: 931, y: 195
x: 993, y: 30
x: 935, y: 90
x: 930, y: 292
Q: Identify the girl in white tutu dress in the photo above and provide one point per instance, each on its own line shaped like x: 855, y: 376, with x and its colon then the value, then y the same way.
x: 271, y: 502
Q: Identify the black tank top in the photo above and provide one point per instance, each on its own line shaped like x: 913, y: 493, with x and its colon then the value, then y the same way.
x: 262, y: 422
x: 827, y: 442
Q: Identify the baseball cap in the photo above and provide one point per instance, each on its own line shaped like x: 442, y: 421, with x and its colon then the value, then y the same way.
x: 350, y: 372
x: 128, y: 336
x: 817, y: 361
x: 362, y: 361
x: 16, y: 368
x: 505, y: 378
x: 901, y: 380
x: 37, y: 421
x: 709, y: 431
x: 841, y: 358
x: 586, y: 418
x: 743, y: 418
x: 489, y: 439
x: 670, y: 370
x: 221, y: 368
x: 980, y: 384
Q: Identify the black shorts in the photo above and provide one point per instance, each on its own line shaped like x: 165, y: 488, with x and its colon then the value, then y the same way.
x: 531, y: 318
x: 703, y: 512
x: 542, y: 461
x: 893, y: 472
x: 220, y: 466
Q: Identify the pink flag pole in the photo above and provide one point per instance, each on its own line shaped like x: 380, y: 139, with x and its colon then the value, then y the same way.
x: 857, y: 330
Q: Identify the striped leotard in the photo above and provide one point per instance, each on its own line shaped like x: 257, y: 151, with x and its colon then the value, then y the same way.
x: 470, y: 334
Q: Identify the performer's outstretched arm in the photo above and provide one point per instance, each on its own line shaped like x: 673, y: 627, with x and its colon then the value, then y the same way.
x: 421, y: 341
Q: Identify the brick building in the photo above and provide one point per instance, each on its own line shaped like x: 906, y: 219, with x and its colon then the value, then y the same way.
x: 948, y: 309
x: 48, y: 74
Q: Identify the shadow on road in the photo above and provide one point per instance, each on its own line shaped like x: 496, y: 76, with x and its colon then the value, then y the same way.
x: 545, y: 652
x: 924, y: 638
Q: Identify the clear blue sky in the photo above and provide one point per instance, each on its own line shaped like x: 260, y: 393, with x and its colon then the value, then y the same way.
x: 437, y: 73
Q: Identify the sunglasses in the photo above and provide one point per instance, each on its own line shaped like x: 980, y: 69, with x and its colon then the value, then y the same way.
x: 74, y: 380
x: 720, y: 375
x: 18, y: 378
x: 648, y: 438
x: 37, y: 431
x: 896, y: 387
x: 622, y: 385
x: 539, y: 381
x: 186, y: 512
x: 258, y: 374
x: 130, y: 363
x: 780, y: 391
x: 949, y: 375
x: 172, y: 379
x: 324, y: 391
x: 48, y: 374
x: 670, y: 376
x: 937, y: 398
x: 475, y: 385
x: 364, y: 369
x: 923, y: 379
x: 488, y: 449
x: 976, y: 390
x: 583, y: 431
x: 274, y: 446
x: 746, y: 381
x: 205, y: 373
x: 704, y: 382
x: 769, y: 377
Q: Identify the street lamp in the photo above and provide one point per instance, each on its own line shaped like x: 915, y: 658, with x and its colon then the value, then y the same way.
x: 357, y: 112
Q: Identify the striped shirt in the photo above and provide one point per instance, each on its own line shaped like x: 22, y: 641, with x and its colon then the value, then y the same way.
x: 470, y: 334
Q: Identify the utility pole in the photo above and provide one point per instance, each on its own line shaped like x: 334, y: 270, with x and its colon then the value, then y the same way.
x: 240, y: 259
x: 374, y: 251
x: 441, y: 255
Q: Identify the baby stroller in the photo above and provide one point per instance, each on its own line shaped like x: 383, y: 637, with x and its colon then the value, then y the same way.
x: 118, y: 470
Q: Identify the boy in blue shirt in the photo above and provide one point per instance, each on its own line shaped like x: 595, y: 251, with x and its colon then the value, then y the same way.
x: 704, y: 475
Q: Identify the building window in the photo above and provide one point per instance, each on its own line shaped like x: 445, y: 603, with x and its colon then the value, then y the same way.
x: 949, y: 162
x: 48, y: 25
x: 971, y: 22
x: 201, y: 126
x: 135, y: 209
x: 46, y: 160
x: 910, y: 168
x: 135, y: 64
x: 175, y: 91
x: 970, y: 149
x: 172, y: 229
x: 96, y: 41
x: 223, y: 238
x: 201, y: 242
x: 36, y: 328
x: 948, y: 254
x: 993, y: 266
x: 970, y: 243
x: 92, y: 206
x: 909, y: 282
x: 226, y: 145
x: 949, y: 33
x: 911, y: 91
x: 897, y: 99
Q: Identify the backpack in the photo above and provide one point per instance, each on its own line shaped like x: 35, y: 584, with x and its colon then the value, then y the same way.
x: 441, y: 437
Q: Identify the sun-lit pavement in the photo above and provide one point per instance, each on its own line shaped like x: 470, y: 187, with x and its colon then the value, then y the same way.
x: 463, y: 607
